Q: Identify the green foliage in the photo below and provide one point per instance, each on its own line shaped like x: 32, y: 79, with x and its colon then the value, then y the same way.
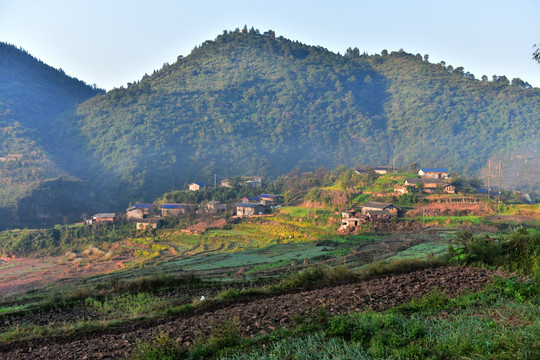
x: 222, y: 335
x: 493, y: 323
x: 32, y: 96
x: 57, y: 240
x: 317, y: 275
x: 249, y: 103
x: 127, y: 305
x: 518, y: 251
x: 161, y: 348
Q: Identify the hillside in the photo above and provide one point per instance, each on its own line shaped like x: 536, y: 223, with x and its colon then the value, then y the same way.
x: 32, y: 95
x: 255, y: 104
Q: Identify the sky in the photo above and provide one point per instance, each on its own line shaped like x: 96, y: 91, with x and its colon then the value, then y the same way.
x: 112, y: 42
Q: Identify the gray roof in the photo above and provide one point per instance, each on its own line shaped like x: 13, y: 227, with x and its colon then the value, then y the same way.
x: 104, y: 215
x: 377, y: 205
x: 425, y: 181
x: 251, y: 205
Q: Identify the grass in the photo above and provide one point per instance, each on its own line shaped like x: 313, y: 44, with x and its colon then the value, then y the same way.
x: 420, y: 251
x: 451, y: 221
x: 492, y: 324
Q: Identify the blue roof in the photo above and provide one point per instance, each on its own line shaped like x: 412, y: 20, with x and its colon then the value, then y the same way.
x: 269, y: 195
x: 245, y: 204
x: 433, y: 169
x: 256, y: 198
x: 173, y: 206
x: 144, y: 206
x: 201, y: 184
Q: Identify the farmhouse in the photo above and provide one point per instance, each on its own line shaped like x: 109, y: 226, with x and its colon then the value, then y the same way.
x: 176, y: 209
x: 430, y: 185
x: 249, y: 209
x: 432, y: 173
x: 215, y: 206
x: 139, y: 211
x: 374, y: 208
x: 250, y: 181
x: 269, y: 199
x: 197, y: 186
x: 143, y: 224
x: 381, y: 170
x: 101, y: 218
x: 351, y: 223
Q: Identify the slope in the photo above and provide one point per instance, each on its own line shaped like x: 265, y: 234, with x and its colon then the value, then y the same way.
x: 254, y: 104
x: 32, y: 95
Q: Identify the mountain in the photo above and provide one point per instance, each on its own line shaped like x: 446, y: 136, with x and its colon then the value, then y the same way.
x: 249, y: 103
x: 32, y: 96
x: 256, y: 104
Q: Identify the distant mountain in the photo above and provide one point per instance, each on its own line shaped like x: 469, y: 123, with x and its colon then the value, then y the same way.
x: 249, y: 103
x: 32, y: 96
x: 253, y: 104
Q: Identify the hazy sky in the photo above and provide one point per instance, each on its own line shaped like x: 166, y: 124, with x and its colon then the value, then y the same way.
x: 112, y: 42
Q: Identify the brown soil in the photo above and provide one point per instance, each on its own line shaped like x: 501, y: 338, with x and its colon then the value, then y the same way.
x: 21, y: 274
x: 255, y: 315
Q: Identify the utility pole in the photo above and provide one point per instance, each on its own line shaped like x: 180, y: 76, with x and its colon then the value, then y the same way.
x: 500, y: 180
x: 394, y: 164
x: 489, y: 178
x: 215, y: 180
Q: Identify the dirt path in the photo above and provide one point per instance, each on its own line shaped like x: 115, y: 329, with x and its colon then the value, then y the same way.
x: 257, y: 316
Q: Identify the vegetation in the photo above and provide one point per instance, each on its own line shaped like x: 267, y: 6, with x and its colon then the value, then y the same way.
x: 518, y: 251
x: 249, y: 103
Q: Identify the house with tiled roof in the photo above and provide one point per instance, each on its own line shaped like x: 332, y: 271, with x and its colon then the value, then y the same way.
x: 249, y: 209
x: 139, y: 211
x: 433, y: 173
x: 176, y: 209
x: 197, y: 186
x: 101, y: 218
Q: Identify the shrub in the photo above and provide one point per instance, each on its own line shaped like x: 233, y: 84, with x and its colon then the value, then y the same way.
x: 161, y: 348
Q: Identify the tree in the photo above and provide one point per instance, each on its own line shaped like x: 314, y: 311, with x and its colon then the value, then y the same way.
x: 536, y: 53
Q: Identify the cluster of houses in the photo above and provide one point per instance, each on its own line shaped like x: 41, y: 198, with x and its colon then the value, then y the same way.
x: 369, y: 212
x: 429, y: 181
x: 149, y: 215
x: 250, y: 181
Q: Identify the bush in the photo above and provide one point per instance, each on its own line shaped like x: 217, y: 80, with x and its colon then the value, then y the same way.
x: 161, y: 348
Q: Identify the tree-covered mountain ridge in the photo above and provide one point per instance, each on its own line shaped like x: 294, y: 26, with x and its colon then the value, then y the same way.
x: 32, y: 95
x: 250, y: 103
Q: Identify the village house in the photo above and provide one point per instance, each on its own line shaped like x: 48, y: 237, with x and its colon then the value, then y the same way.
x: 144, y: 224
x: 430, y: 185
x: 139, y: 211
x: 215, y: 207
x: 269, y: 199
x: 433, y: 173
x: 176, y: 209
x: 250, y: 181
x: 351, y: 223
x: 197, y: 186
x: 378, y: 209
x: 350, y: 220
x: 249, y: 209
x: 381, y: 170
x: 101, y: 218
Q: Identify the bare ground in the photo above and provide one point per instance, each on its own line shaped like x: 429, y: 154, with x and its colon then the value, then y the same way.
x: 255, y: 315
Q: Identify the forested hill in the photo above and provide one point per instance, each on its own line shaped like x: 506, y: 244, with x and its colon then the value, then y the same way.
x: 250, y: 103
x: 32, y: 96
